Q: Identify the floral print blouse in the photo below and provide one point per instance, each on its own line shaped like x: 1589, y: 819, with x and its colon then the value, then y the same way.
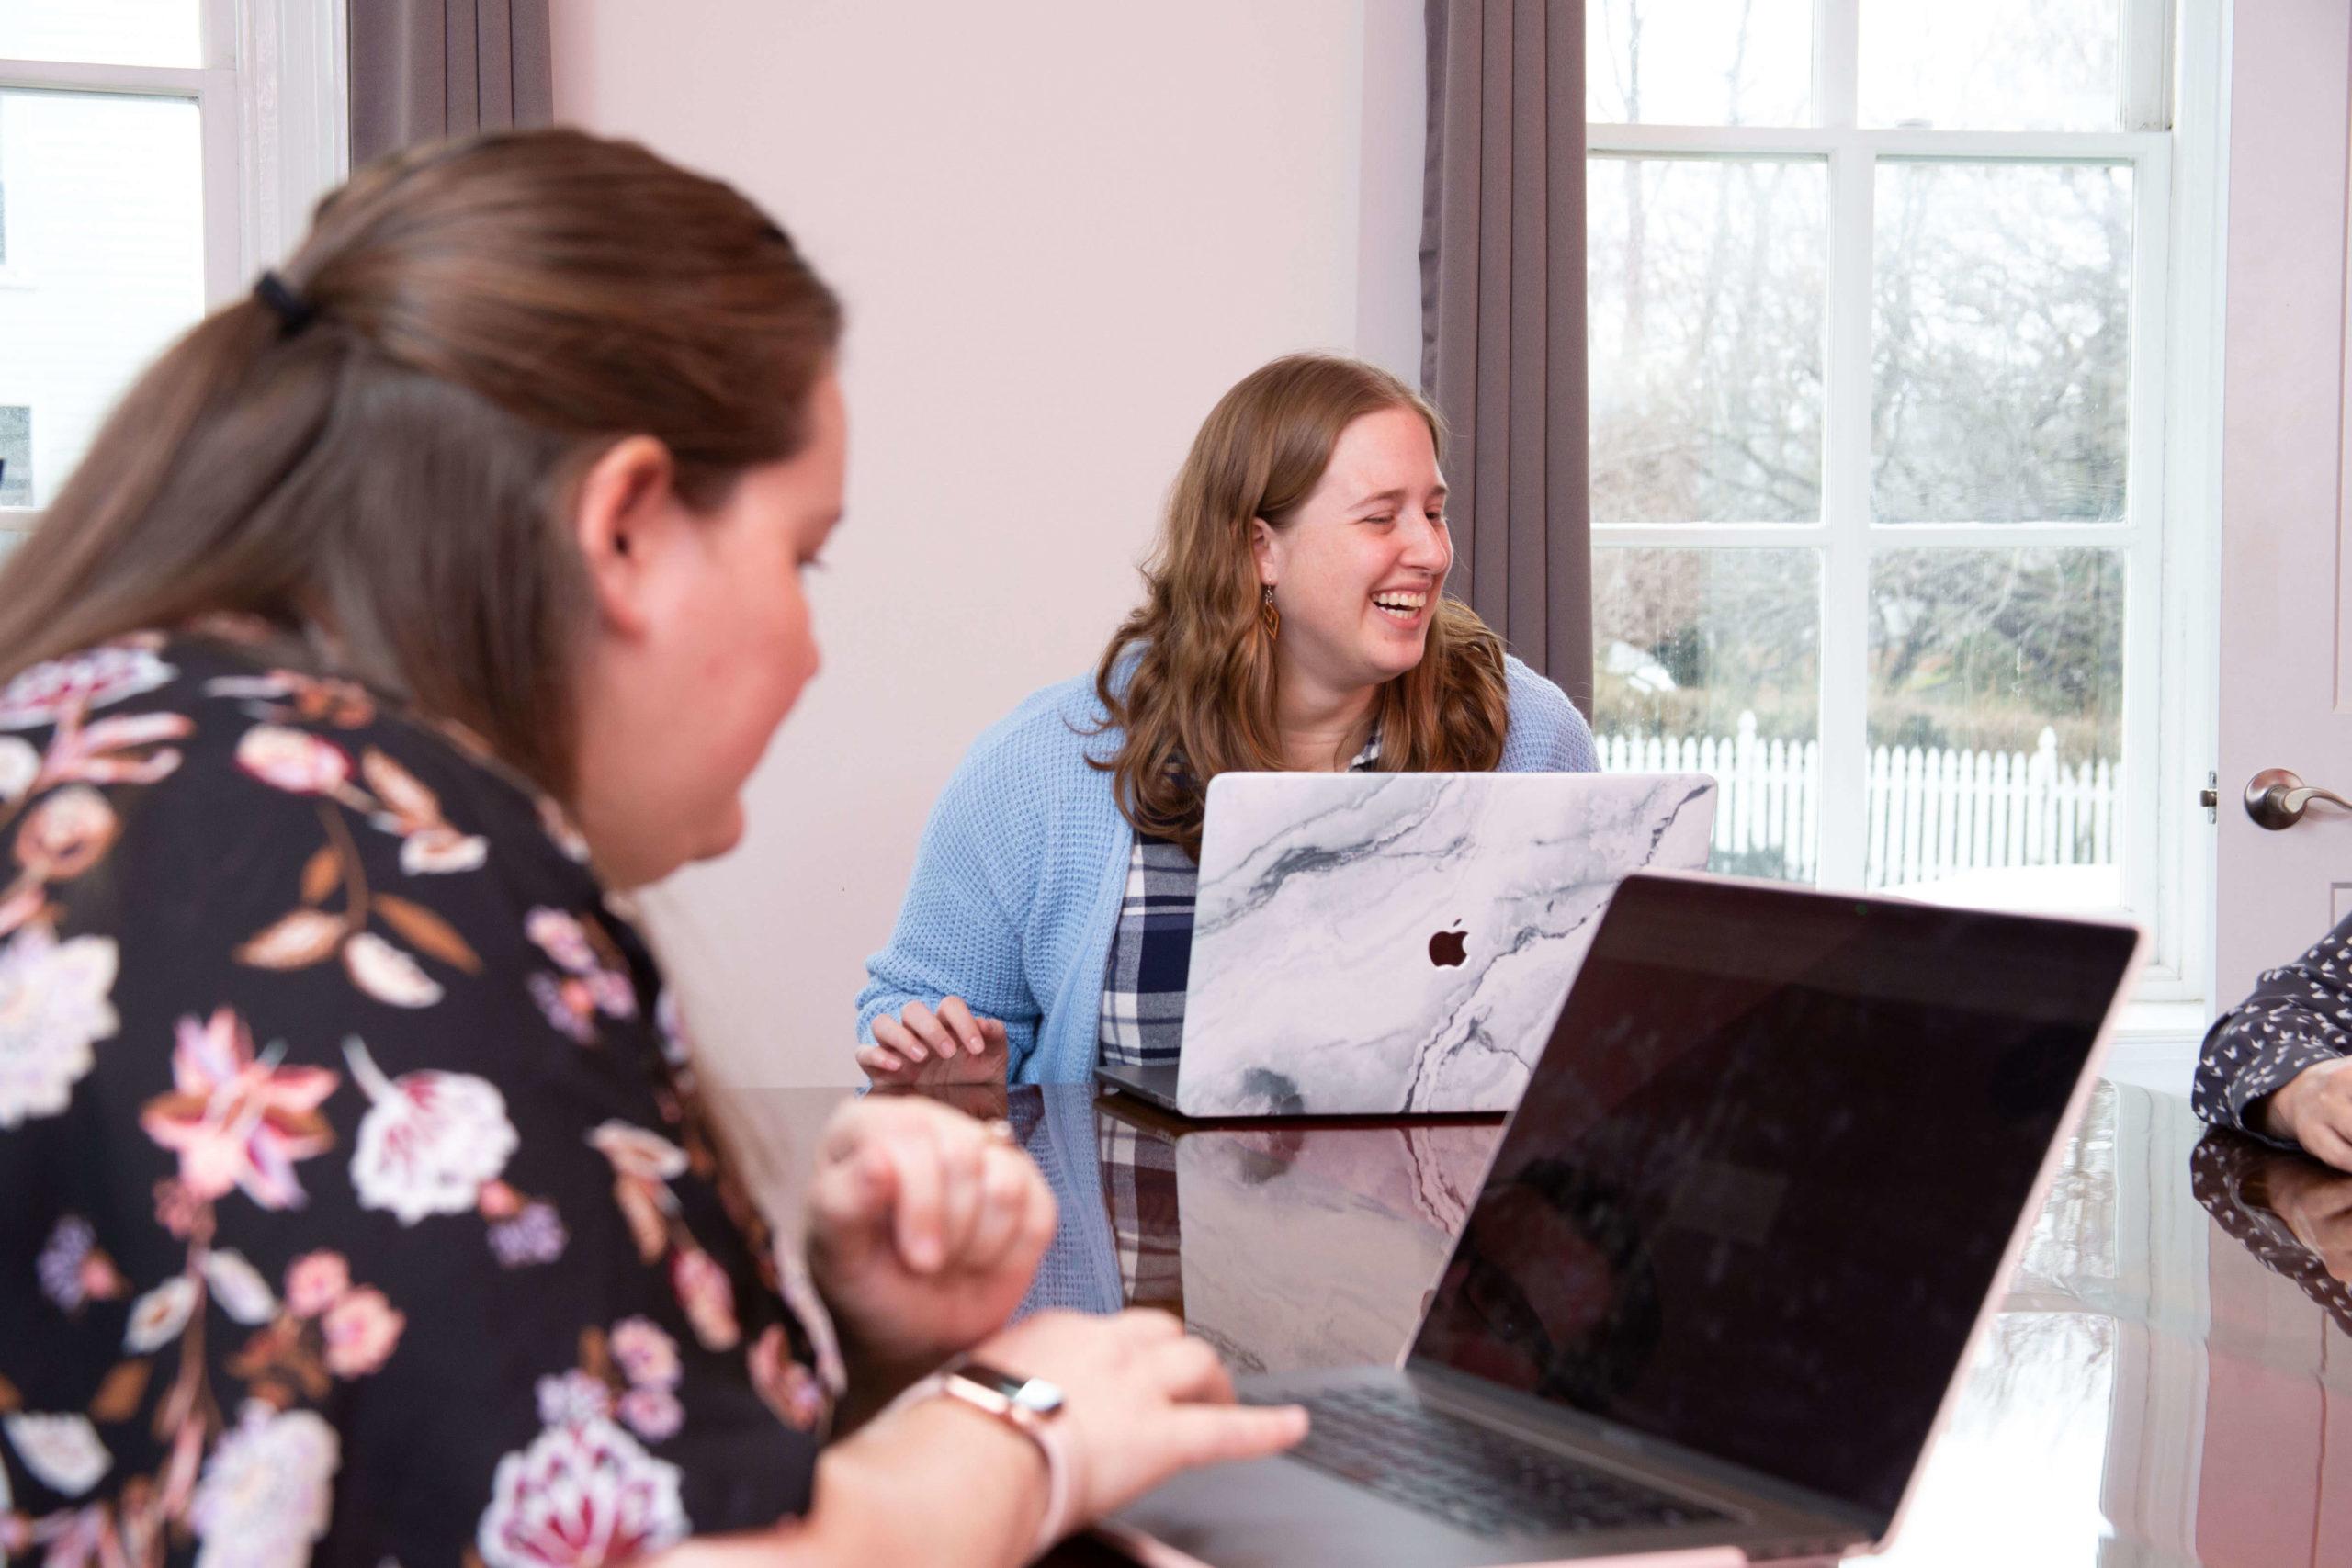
x: 2299, y: 1016
x: 354, y: 1202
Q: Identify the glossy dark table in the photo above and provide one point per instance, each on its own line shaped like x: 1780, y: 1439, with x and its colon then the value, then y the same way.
x: 2170, y: 1381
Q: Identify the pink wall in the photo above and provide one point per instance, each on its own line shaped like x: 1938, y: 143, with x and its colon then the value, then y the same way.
x: 1062, y: 228
x: 2283, y: 414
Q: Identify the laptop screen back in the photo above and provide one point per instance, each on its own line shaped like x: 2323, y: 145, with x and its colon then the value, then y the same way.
x: 1767, y: 1168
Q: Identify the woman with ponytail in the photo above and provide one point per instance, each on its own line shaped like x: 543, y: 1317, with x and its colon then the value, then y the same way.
x: 1294, y: 618
x: 356, y: 1205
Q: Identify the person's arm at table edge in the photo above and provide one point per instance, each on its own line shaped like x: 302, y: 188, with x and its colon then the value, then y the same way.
x: 2272, y: 1041
x: 953, y: 892
x: 940, y: 1472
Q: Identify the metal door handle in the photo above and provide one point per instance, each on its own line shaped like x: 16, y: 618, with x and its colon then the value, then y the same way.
x: 2275, y: 798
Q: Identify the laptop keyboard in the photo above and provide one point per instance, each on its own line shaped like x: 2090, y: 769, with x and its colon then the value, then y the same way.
x: 1475, y: 1478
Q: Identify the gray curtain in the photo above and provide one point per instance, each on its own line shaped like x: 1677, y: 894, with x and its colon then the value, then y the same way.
x: 1502, y: 319
x: 422, y: 70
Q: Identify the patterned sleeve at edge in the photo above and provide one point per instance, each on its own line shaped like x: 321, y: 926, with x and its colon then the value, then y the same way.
x: 2298, y: 1016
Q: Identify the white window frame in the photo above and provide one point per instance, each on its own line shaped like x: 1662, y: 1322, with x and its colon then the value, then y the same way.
x: 272, y: 101
x: 2176, y: 120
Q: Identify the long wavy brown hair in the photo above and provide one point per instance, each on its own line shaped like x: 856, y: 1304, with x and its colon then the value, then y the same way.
x: 1190, y: 678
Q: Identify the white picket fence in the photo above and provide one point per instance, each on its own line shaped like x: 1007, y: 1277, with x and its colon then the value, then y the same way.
x: 1933, y: 813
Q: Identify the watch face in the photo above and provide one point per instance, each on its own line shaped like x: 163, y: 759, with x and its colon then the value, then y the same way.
x: 1040, y: 1396
x: 1033, y: 1394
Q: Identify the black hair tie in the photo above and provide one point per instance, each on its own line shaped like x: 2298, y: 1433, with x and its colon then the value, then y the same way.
x: 292, y: 310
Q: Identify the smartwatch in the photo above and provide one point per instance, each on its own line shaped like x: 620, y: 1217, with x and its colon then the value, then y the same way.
x: 1029, y: 1406
x: 1027, y: 1402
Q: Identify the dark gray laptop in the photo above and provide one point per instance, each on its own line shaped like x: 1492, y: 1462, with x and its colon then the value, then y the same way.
x: 1726, y: 1272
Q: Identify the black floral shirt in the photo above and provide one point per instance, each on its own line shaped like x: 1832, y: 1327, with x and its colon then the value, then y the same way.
x: 2298, y: 1017
x: 355, y: 1202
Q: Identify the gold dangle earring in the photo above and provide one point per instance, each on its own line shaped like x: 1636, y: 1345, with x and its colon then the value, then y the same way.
x: 1268, y: 616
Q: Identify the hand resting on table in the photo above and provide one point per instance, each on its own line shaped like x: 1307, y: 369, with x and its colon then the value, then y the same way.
x: 921, y: 1047
x: 2313, y: 1108
x: 924, y: 1230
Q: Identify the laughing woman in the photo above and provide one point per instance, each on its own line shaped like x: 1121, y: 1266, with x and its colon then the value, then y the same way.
x: 1293, y: 620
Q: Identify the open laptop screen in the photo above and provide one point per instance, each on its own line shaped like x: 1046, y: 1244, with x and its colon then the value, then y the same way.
x: 1767, y: 1167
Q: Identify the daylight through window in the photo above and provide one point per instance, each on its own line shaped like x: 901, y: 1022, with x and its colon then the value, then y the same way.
x: 1876, y: 335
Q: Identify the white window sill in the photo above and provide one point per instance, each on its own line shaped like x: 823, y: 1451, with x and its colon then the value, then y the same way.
x: 2156, y: 1045
x: 2163, y: 1020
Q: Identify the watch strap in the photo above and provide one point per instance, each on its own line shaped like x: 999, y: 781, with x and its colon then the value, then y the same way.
x: 1000, y: 1395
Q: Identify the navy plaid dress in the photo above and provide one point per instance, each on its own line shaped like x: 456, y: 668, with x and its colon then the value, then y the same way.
x: 1151, y: 950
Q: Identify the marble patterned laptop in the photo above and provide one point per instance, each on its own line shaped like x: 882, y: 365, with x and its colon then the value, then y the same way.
x: 1377, y: 943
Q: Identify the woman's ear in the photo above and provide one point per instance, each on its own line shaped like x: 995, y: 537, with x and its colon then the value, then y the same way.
x: 626, y: 517
x: 1263, y: 546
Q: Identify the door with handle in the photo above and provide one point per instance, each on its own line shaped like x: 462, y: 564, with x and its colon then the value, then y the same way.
x: 2284, y: 867
x: 2276, y: 800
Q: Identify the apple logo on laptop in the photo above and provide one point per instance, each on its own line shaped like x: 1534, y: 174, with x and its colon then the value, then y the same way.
x: 1448, y: 949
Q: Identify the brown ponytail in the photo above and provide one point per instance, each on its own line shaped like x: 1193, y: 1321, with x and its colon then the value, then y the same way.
x: 486, y: 316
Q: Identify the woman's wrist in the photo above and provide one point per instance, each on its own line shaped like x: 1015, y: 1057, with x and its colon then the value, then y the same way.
x: 1043, y: 1437
x: 1037, y: 1458
x: 879, y: 1502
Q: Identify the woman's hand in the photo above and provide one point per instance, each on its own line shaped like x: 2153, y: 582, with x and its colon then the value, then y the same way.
x: 920, y: 1047
x: 2313, y: 1108
x: 924, y: 1229
x: 937, y: 1480
x: 1141, y: 1400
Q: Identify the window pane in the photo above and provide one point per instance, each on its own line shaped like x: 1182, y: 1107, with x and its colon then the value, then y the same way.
x: 2002, y: 343
x: 15, y: 455
x: 1992, y: 64
x: 104, y: 264
x: 1705, y: 296
x: 1996, y: 726
x: 1709, y: 660
x: 102, y: 32
x: 1699, y: 62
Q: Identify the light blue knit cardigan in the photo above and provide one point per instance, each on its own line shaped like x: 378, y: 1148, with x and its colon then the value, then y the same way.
x: 1023, y: 866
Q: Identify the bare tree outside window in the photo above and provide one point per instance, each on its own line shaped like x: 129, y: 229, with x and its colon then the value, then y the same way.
x: 1983, y: 696
x: 1986, y: 650
x: 15, y: 455
x: 102, y: 32
x: 1705, y: 294
x: 1991, y: 65
x: 1699, y: 62
x: 2002, y: 343
x: 1686, y: 641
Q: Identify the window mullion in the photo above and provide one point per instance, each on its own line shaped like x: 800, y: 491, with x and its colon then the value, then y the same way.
x: 291, y: 54
x: 1837, y: 63
x: 220, y: 34
x: 225, y: 261
x: 2159, y: 776
x: 1846, y: 501
x: 2146, y: 64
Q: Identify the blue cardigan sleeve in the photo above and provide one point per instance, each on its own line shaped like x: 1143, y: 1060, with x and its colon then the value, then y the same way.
x: 959, y: 928
x: 1547, y: 734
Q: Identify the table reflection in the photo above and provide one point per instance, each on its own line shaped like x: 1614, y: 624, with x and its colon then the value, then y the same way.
x: 2275, y: 1485
x: 2158, y: 1388
x: 2292, y: 1213
x: 1285, y: 1246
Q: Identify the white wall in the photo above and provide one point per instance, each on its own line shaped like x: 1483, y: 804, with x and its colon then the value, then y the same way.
x: 1063, y: 229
